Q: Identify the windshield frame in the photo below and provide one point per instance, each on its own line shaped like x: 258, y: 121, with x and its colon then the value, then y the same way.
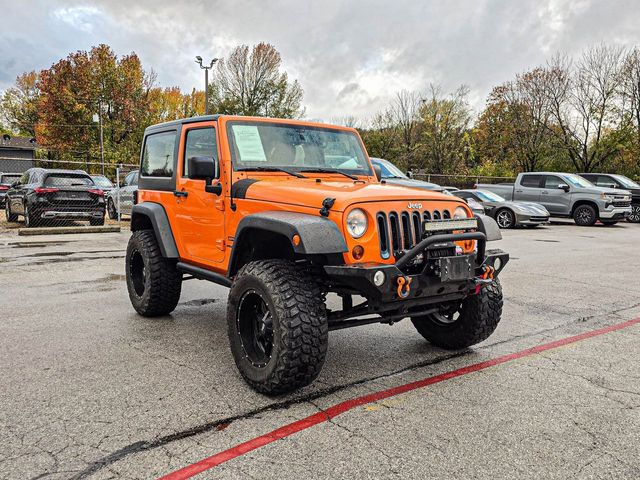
x: 577, y: 180
x: 300, y: 169
x: 623, y: 179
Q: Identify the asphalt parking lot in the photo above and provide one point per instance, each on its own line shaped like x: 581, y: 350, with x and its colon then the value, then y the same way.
x: 91, y: 390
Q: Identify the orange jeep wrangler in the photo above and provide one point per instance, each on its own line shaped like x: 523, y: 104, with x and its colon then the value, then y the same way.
x: 284, y: 212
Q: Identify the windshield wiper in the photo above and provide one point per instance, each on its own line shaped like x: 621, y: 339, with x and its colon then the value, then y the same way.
x: 328, y: 170
x: 270, y: 169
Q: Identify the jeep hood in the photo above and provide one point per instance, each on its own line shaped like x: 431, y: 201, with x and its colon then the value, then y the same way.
x: 310, y: 193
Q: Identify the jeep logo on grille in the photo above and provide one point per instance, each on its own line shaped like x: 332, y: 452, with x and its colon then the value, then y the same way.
x: 415, y: 205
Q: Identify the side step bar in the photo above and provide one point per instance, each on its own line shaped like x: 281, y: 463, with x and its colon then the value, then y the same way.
x: 204, y: 274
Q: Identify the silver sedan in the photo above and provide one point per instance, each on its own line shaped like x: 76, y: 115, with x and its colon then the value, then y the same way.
x: 507, y: 213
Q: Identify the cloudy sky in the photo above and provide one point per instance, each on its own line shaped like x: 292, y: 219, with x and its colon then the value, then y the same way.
x: 350, y: 56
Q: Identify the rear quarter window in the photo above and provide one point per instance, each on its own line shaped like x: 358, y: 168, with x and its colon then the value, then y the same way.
x: 531, y: 181
x: 158, y: 154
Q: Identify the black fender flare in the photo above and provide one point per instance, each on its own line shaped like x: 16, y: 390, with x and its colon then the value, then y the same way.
x: 318, y: 235
x: 150, y: 214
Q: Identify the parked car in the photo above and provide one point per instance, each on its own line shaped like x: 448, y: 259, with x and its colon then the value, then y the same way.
x: 507, y: 213
x: 621, y: 182
x: 392, y: 174
x: 6, y: 180
x: 44, y: 194
x: 567, y: 195
x: 125, y: 192
x: 451, y: 189
x: 103, y: 183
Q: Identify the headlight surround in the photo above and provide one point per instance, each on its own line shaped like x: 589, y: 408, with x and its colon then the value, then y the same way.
x: 357, y: 223
x: 460, y: 212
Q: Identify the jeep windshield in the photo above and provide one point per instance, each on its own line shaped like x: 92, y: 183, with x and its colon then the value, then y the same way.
x: 298, y: 148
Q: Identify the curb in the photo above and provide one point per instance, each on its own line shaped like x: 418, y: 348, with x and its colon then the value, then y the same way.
x: 64, y: 230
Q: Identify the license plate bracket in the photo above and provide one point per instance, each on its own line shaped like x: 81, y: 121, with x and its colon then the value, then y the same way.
x: 459, y: 267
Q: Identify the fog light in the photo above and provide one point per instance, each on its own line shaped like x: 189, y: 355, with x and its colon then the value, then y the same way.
x: 378, y: 278
x: 357, y: 252
x: 497, y: 263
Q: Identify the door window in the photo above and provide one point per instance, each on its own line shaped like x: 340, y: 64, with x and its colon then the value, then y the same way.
x: 553, y: 182
x: 531, y: 181
x: 200, y: 142
x: 604, y: 181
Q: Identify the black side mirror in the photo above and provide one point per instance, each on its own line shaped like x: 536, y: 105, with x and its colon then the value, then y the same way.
x: 564, y: 186
x: 205, y: 168
x: 378, y: 171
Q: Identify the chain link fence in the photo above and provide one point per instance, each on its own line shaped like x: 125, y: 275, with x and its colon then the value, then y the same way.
x: 54, y: 193
x: 460, y: 181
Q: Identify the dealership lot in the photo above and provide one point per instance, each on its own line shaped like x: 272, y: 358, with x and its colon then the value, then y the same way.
x: 91, y: 390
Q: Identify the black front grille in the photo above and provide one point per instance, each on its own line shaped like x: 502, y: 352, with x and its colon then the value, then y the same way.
x: 618, y: 203
x: 398, y: 231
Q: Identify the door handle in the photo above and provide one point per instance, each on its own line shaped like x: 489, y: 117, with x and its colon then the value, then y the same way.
x: 180, y: 193
x: 518, y: 191
x: 544, y: 193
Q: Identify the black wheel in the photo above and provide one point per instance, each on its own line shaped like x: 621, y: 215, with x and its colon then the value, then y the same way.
x: 505, y: 218
x: 154, y: 282
x: 277, y: 325
x: 111, y: 210
x: 11, y: 217
x: 463, y: 323
x: 96, y: 222
x: 30, y: 220
x: 634, y: 216
x: 585, y: 215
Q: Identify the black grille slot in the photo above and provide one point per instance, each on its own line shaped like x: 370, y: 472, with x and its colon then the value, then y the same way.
x: 396, y: 241
x: 436, y: 215
x: 383, y: 234
x: 446, y: 215
x: 417, y: 226
x: 407, y: 233
x: 426, y: 216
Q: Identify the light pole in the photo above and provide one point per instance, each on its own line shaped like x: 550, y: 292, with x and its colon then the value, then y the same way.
x: 97, y: 117
x: 206, y: 81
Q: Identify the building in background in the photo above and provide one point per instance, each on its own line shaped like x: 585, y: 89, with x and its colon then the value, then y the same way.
x: 17, y: 154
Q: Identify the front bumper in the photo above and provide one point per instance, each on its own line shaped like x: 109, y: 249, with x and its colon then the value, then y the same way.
x: 527, y: 219
x: 448, y: 278
x: 615, y: 213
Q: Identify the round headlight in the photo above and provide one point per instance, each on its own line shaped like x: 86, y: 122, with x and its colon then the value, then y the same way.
x: 460, y: 212
x: 356, y: 223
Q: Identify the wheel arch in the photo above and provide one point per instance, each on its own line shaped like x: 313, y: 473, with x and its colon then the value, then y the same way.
x: 268, y: 235
x: 152, y: 216
x: 585, y: 202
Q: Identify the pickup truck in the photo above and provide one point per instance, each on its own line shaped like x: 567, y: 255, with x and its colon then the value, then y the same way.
x: 608, y: 180
x: 567, y: 195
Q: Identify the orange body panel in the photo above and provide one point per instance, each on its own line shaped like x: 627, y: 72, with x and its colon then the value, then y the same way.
x: 204, y: 225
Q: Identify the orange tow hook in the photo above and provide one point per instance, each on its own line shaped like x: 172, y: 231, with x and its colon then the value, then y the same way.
x: 488, y: 272
x: 404, y: 286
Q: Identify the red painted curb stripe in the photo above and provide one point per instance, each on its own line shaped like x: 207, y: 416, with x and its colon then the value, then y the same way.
x: 331, y: 412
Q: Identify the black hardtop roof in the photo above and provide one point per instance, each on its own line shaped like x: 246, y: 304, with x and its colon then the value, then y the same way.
x: 182, y: 121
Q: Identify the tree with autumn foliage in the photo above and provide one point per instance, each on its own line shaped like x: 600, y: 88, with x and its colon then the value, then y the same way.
x: 19, y: 105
